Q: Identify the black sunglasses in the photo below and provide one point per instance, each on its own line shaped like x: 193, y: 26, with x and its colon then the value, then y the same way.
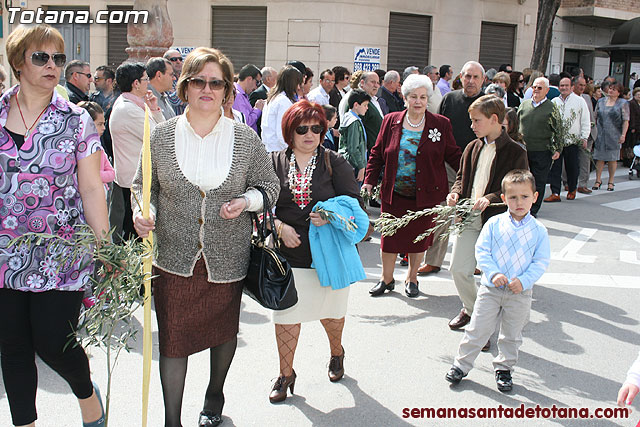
x: 175, y: 59
x: 39, y: 59
x: 302, y: 130
x: 201, y: 83
x: 89, y: 75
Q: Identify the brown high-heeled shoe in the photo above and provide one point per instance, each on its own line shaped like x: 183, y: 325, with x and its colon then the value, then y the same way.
x: 336, y: 367
x: 279, y: 389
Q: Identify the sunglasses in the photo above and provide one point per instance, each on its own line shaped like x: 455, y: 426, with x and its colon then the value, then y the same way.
x: 302, y: 130
x: 176, y: 59
x: 39, y: 59
x: 537, y: 87
x: 89, y: 75
x: 199, y: 84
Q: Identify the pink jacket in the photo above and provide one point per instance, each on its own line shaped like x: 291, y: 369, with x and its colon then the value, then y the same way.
x: 107, y: 174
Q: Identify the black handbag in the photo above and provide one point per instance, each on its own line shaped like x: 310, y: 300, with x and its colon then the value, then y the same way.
x: 269, y: 279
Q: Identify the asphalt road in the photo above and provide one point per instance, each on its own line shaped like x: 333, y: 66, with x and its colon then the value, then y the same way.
x: 582, y: 337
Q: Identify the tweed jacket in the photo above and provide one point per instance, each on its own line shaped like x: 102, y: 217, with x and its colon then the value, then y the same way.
x: 188, y: 221
x: 509, y: 156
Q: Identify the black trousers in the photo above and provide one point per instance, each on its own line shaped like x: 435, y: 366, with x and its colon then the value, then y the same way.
x: 121, y: 214
x: 539, y: 165
x: 39, y: 322
x: 570, y: 158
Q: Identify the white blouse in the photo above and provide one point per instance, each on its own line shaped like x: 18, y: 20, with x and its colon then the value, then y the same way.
x: 272, y: 122
x: 206, y: 161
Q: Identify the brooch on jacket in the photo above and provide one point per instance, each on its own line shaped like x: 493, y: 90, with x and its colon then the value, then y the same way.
x: 434, y: 135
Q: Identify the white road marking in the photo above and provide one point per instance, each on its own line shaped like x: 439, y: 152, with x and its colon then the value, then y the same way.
x: 570, y: 251
x: 625, y: 205
x: 630, y: 257
x: 635, y: 235
x: 620, y: 186
x: 597, y: 280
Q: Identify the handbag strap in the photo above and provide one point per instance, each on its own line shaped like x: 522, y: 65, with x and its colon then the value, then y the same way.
x: 267, y: 215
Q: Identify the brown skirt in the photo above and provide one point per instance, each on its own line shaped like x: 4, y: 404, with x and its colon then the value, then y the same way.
x: 402, y: 241
x: 194, y: 314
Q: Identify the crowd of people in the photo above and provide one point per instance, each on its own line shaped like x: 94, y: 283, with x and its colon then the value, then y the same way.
x: 224, y: 144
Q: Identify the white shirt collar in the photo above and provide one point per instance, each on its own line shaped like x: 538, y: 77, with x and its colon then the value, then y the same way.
x: 535, y: 104
x: 522, y: 222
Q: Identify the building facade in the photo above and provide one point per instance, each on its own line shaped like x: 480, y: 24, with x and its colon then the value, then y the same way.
x: 583, y: 25
x: 394, y: 34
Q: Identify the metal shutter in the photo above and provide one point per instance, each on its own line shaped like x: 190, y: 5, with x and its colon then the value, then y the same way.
x: 240, y: 33
x: 496, y: 44
x: 117, y: 40
x: 409, y: 41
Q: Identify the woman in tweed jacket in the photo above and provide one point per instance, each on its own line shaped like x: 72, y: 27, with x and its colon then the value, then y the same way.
x: 204, y: 168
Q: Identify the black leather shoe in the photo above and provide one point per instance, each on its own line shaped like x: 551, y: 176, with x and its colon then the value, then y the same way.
x: 460, y: 320
x: 455, y: 375
x: 380, y: 287
x: 411, y: 289
x: 336, y: 367
x: 504, y: 381
x: 209, y: 419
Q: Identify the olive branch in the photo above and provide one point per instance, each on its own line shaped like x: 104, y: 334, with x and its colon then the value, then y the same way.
x: 455, y: 218
x: 374, y: 195
x: 331, y: 216
x: 109, y: 324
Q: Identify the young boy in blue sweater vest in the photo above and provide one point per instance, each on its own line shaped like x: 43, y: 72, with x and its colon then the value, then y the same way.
x: 513, y: 252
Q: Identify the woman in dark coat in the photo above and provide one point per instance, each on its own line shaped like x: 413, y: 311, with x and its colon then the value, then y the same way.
x: 412, y: 146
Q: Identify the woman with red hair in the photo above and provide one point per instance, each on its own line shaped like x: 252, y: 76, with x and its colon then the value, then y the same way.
x: 308, y: 174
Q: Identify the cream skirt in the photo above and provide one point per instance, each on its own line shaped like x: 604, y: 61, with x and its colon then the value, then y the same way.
x: 315, y: 301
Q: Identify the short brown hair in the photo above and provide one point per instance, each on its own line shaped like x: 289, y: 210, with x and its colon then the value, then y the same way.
x: 488, y: 105
x: 518, y: 176
x: 196, y: 61
x: 617, y: 86
x: 354, y: 81
x: 502, y: 77
x: 25, y: 37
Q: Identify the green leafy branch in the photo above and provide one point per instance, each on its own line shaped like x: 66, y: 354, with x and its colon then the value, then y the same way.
x: 331, y: 216
x: 374, y: 195
x: 562, y: 136
x: 454, y: 218
x: 109, y: 324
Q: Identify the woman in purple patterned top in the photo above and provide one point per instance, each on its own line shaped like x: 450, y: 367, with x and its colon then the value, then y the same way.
x: 49, y: 183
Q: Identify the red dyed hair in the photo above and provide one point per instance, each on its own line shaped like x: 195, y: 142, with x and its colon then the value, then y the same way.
x: 302, y: 111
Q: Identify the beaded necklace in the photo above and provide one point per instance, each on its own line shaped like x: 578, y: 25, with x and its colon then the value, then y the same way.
x: 300, y: 183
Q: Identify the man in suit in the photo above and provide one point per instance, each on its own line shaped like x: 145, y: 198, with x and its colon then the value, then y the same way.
x: 269, y: 77
x: 389, y: 92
